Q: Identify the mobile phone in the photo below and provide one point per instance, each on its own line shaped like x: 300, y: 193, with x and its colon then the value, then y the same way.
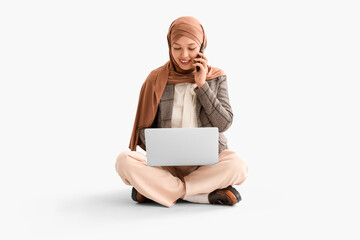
x: 201, y: 50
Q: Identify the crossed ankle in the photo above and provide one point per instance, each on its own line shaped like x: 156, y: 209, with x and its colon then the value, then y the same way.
x: 197, y: 198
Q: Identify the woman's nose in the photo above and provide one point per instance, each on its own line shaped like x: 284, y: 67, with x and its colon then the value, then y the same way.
x: 184, y: 53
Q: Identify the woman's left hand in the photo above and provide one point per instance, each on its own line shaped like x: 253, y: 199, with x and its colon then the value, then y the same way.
x: 200, y: 76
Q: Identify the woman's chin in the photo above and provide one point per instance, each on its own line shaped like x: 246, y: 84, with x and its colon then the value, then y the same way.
x: 187, y: 68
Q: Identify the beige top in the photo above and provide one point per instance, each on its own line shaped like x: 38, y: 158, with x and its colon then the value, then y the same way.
x: 213, y: 109
x: 184, y: 107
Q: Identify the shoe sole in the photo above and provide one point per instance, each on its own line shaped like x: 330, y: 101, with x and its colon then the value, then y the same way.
x: 235, y: 193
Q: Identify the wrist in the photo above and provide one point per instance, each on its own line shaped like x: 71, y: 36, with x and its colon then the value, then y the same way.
x: 199, y: 85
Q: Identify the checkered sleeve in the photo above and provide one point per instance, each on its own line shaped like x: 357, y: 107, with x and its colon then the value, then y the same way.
x: 217, y: 107
x: 142, y: 133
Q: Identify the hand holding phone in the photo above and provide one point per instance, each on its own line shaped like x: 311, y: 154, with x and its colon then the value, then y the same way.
x: 198, y: 56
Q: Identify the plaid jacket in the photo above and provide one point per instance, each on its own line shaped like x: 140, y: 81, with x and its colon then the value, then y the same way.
x: 212, y: 109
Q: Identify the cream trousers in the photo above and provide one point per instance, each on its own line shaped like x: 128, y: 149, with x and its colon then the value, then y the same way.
x: 166, y: 184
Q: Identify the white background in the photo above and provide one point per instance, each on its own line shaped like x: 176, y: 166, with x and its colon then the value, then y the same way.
x: 71, y: 73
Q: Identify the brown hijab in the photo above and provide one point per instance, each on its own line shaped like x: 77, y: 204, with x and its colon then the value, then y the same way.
x: 170, y: 73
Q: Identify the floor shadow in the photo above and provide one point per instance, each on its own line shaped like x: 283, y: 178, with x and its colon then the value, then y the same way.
x: 118, y: 205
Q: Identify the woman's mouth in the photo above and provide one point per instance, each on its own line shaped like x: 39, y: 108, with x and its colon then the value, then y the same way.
x: 185, y: 62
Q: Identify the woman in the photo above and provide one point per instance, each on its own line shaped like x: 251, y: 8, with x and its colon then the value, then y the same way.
x: 176, y: 95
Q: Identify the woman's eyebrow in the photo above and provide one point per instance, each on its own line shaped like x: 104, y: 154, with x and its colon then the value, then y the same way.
x: 188, y: 44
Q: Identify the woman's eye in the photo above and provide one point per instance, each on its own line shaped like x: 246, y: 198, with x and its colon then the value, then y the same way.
x: 189, y: 49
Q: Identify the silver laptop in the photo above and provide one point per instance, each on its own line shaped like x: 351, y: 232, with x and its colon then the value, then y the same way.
x: 182, y: 146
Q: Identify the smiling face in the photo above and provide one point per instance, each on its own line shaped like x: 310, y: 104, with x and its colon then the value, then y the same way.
x: 184, y: 50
